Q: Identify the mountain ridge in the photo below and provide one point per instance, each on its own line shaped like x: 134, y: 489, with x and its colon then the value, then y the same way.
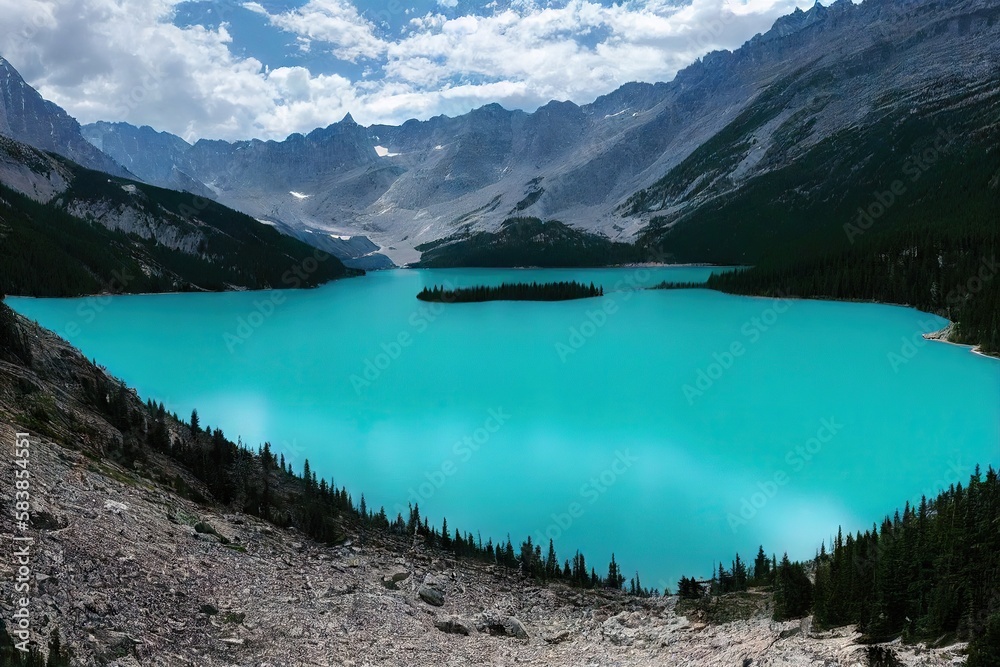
x: 99, y: 233
x: 27, y: 117
x: 583, y: 163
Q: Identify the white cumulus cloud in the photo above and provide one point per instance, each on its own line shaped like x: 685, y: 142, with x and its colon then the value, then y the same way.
x: 126, y: 60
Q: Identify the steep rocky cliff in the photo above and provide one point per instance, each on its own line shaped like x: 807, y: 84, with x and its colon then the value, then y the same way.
x: 27, y: 117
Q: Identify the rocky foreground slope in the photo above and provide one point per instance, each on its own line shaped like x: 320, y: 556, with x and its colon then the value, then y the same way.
x: 134, y: 574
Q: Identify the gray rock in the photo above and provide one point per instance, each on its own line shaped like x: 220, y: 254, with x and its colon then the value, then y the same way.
x: 27, y: 117
x: 501, y: 625
x: 392, y: 578
x: 431, y: 595
x: 515, y: 628
x: 208, y: 537
x: 557, y: 637
x: 455, y: 625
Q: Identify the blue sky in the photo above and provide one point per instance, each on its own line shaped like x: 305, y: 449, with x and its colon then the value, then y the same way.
x: 236, y: 69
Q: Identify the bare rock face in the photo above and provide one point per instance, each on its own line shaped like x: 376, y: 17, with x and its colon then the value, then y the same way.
x: 27, y: 117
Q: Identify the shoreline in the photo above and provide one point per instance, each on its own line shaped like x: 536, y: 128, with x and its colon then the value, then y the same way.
x: 940, y: 336
x: 634, y: 265
x: 244, y: 290
x: 944, y: 336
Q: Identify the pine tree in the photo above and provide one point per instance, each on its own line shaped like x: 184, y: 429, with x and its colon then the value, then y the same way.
x: 739, y: 575
x: 445, y: 535
x: 59, y: 655
x: 761, y: 568
x: 614, y: 579
x: 792, y: 591
x: 551, y: 562
x: 984, y: 649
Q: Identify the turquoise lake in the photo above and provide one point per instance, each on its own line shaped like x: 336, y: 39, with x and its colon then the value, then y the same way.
x: 675, y: 427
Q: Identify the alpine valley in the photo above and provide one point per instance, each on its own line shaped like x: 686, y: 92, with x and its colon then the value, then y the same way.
x: 736, y: 331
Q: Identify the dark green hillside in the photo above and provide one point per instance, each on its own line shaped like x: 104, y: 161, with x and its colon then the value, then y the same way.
x: 704, y: 171
x: 930, y: 572
x: 49, y: 252
x: 528, y: 242
x: 952, y: 271
x: 811, y: 206
x: 905, y: 211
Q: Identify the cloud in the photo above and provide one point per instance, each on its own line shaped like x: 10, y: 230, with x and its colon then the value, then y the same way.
x: 126, y: 60
x: 336, y: 23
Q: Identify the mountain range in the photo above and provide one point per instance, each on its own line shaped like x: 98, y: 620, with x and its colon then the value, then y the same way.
x: 777, y: 143
x: 68, y: 206
x: 643, y: 158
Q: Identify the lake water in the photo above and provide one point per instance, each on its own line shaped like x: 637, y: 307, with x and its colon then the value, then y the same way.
x: 675, y: 427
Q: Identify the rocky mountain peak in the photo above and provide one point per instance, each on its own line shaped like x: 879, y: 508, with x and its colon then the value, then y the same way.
x: 427, y: 175
x: 27, y: 117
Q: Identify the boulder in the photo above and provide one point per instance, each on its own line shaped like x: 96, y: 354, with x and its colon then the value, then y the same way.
x: 515, y: 628
x: 203, y: 528
x: 208, y: 537
x: 431, y: 595
x: 455, y: 625
x: 393, y: 577
x: 503, y: 626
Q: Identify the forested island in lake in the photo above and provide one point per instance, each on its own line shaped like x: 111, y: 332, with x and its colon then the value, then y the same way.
x: 560, y: 291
